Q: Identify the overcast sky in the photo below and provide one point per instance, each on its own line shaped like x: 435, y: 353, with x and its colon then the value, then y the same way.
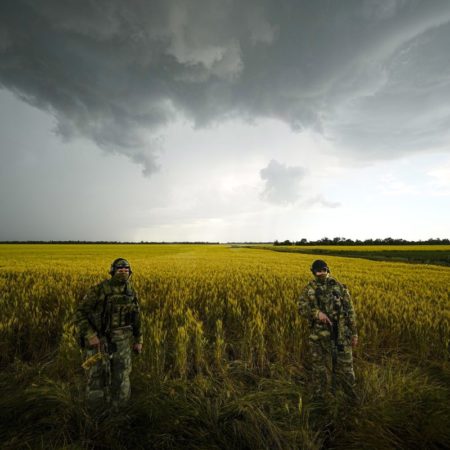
x: 222, y: 120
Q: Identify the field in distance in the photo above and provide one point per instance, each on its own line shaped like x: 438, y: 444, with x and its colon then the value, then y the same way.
x: 419, y: 254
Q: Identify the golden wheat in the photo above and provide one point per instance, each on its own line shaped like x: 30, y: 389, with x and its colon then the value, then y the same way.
x: 206, y: 306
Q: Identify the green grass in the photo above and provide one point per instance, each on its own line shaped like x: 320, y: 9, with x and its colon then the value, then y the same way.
x: 399, y: 408
x: 418, y: 254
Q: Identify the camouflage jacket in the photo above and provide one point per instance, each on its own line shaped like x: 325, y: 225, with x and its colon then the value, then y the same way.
x: 108, y: 306
x: 332, y: 298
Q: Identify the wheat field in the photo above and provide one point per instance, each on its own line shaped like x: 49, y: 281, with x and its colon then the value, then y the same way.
x: 224, y: 351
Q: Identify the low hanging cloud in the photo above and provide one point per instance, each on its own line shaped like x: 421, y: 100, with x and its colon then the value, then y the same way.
x: 370, y: 75
x: 282, y: 183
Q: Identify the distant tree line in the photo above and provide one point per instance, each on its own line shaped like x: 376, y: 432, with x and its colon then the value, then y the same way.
x: 345, y: 241
x: 107, y: 242
x: 303, y: 241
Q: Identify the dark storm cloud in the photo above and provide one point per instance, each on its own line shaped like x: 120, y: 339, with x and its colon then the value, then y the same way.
x: 371, y: 75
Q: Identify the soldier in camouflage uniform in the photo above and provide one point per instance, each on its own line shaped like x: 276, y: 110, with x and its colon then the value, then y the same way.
x: 327, y: 306
x: 109, y: 324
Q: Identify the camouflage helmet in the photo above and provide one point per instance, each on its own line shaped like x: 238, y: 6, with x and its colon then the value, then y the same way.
x: 318, y: 265
x: 119, y: 263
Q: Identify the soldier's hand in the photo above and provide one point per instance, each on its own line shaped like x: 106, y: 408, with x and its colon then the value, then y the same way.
x: 94, y: 341
x: 354, y: 341
x: 324, y: 318
x: 137, y: 348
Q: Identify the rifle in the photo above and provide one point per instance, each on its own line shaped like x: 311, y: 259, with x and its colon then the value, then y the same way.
x: 92, y: 360
x: 335, y: 322
x: 103, y: 358
x: 102, y: 355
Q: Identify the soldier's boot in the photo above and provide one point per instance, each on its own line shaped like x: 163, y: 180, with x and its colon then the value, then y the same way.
x: 319, y: 395
x: 96, y: 403
x: 348, y: 387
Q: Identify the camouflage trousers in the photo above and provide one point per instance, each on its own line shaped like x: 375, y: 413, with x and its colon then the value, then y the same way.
x: 331, y: 366
x: 108, y: 379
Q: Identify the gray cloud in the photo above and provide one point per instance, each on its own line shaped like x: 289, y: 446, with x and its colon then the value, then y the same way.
x: 322, y: 201
x: 282, y: 183
x: 371, y: 75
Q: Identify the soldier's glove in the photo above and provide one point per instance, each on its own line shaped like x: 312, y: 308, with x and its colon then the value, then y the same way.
x: 94, y: 341
x: 324, y: 318
x: 137, y: 348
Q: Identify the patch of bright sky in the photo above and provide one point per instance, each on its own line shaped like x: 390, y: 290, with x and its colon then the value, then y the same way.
x: 209, y: 187
x: 220, y: 171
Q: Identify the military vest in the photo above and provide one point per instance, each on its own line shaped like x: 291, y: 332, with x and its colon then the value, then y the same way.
x: 331, y: 300
x: 119, y: 308
x: 329, y: 297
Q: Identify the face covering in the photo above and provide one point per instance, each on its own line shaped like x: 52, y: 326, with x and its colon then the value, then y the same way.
x: 121, y: 276
x: 321, y: 277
